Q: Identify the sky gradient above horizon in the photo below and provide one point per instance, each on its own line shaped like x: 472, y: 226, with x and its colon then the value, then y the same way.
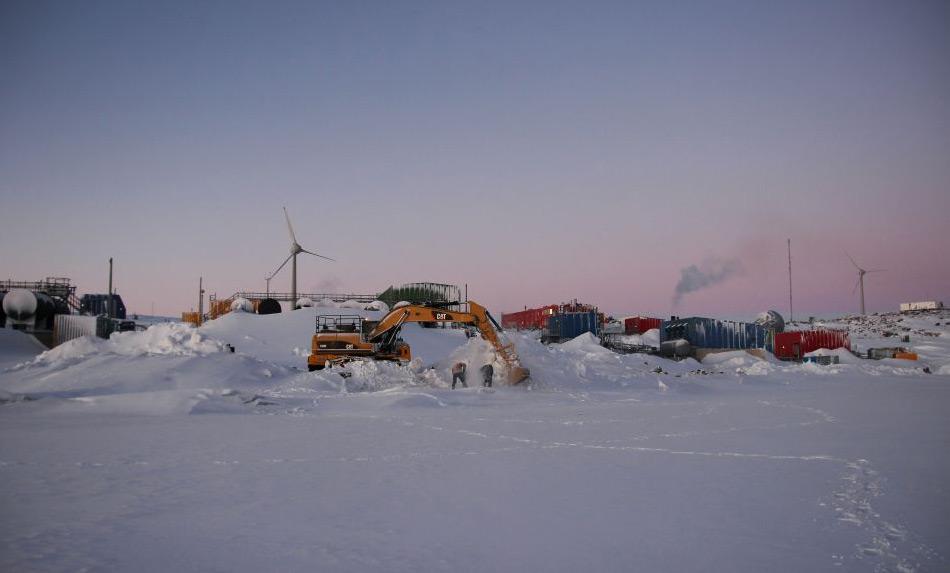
x: 538, y: 152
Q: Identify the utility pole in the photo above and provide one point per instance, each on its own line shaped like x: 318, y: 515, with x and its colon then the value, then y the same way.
x: 109, y: 303
x: 201, y: 299
x: 791, y: 312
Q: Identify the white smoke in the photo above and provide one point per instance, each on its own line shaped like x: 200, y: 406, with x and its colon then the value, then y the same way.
x: 711, y: 271
x: 329, y: 285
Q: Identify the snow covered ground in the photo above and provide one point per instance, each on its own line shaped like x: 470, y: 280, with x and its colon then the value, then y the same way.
x: 162, y: 450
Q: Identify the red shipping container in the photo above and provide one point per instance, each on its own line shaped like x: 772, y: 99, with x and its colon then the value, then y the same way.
x: 640, y: 324
x: 794, y: 345
x: 530, y: 319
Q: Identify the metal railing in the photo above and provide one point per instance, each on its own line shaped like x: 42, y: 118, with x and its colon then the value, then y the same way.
x: 286, y: 296
x: 57, y: 287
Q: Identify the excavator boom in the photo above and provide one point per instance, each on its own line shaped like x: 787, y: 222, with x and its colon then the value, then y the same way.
x: 382, y: 337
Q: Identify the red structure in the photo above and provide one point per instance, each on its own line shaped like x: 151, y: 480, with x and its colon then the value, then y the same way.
x: 640, y: 324
x: 529, y: 319
x: 794, y: 345
x: 536, y: 318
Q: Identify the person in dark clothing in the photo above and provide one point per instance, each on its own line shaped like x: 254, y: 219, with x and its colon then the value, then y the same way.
x: 488, y: 371
x: 458, y: 374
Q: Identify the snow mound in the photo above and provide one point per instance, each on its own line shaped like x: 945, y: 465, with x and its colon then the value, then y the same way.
x: 16, y: 347
x: 352, y: 304
x: 651, y: 337
x: 361, y: 376
x: 172, y: 338
x: 740, y: 360
x: 760, y: 368
x: 372, y: 376
x: 586, y: 343
x: 844, y: 355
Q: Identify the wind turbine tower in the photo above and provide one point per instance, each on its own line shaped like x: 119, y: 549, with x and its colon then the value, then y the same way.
x: 860, y: 282
x: 295, y: 249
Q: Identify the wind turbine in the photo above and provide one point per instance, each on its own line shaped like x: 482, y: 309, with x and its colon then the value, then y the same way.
x: 860, y: 281
x: 295, y: 249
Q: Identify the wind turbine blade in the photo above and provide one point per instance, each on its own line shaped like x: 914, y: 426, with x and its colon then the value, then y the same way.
x: 852, y: 261
x: 290, y: 227
x: 855, y: 289
x: 316, y: 255
x: 273, y: 274
x: 876, y: 271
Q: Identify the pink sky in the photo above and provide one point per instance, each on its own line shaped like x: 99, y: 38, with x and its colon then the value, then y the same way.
x: 586, y: 152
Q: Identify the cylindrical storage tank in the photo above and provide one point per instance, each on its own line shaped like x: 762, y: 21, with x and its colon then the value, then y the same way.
x: 20, y: 305
x: 242, y: 305
x: 678, y: 348
x: 3, y: 314
x: 268, y: 306
x: 45, y: 306
x: 303, y: 302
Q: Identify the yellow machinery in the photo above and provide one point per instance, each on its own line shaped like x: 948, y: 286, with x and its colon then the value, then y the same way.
x: 341, y: 338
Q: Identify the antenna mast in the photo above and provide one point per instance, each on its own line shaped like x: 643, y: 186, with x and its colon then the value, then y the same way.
x: 790, y: 307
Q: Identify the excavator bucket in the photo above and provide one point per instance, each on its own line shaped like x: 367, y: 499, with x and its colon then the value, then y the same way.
x: 517, y: 375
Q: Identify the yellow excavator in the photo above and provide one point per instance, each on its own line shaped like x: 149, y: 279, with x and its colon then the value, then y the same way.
x: 342, y: 338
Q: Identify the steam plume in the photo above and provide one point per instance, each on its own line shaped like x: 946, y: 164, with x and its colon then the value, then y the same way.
x: 711, y: 271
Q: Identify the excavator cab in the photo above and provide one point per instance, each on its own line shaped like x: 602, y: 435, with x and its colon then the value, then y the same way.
x: 337, y: 336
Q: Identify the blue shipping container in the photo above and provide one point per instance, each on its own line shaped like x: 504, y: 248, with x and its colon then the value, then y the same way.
x: 569, y: 325
x: 712, y: 333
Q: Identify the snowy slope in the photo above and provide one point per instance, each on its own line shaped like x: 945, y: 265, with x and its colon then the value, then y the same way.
x: 16, y: 347
x: 163, y: 451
